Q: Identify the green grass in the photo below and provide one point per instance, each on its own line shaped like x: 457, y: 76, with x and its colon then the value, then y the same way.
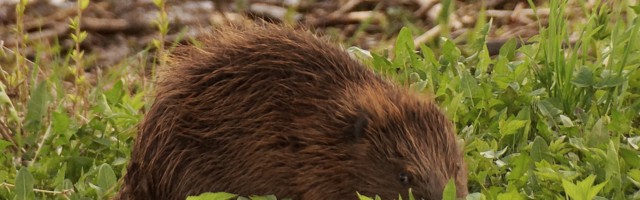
x: 543, y: 121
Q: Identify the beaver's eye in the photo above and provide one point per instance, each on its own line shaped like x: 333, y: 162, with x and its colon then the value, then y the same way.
x: 404, y: 178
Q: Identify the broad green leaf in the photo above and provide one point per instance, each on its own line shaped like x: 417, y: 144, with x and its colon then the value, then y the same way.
x: 449, y: 192
x: 60, y: 122
x: 566, y: 121
x: 598, y: 133
x: 476, y: 196
x: 37, y: 107
x: 83, y: 4
x: 547, y: 109
x: 634, y: 142
x: 594, y: 190
x: 158, y: 3
x: 450, y: 52
x: 612, y: 166
x: 583, y: 190
x: 510, y: 127
x: 519, y: 166
x: 469, y: 85
x: 60, y: 177
x: 24, y: 185
x: 404, y: 45
x: 636, y: 9
x: 114, y: 95
x: 508, y: 49
x: 634, y: 176
x: 511, y: 195
x: 419, y: 86
x: 572, y: 190
x: 381, y: 64
x: 484, y: 61
x: 584, y: 78
x: 493, y: 154
x: 106, y: 177
x: 428, y: 55
x: 610, y: 81
x: 4, y: 144
x: 102, y: 106
x: 4, y: 99
x: 630, y: 157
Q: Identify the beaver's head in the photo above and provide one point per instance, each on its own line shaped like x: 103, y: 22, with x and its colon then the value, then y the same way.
x: 404, y: 141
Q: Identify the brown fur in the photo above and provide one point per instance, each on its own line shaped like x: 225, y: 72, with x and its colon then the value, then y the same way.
x: 269, y: 110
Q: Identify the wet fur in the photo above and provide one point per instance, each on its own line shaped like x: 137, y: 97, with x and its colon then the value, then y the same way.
x: 265, y: 109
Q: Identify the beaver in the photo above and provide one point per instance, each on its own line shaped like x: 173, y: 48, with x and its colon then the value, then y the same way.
x: 263, y: 109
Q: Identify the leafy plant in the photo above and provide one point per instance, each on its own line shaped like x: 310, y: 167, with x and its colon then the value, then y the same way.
x: 556, y: 118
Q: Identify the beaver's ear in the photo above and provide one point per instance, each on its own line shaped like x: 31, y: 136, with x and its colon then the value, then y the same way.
x: 358, y: 126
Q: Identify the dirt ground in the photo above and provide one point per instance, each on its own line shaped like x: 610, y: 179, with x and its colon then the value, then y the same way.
x: 120, y: 28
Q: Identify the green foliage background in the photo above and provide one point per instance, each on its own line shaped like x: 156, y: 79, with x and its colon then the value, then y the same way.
x: 541, y: 121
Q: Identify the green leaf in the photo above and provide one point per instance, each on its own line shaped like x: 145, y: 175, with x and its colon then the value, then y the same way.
x: 73, y: 24
x: 411, y: 197
x: 469, y: 85
x: 158, y: 3
x: 612, y: 166
x: 449, y: 192
x: 404, y: 44
x: 82, y: 37
x: 114, y: 95
x: 572, y: 190
x: 24, y: 3
x: 634, y: 176
x: 60, y: 122
x: 519, y: 166
x: 419, y: 86
x: 566, y: 121
x: 83, y: 4
x: 584, y: 78
x: 4, y: 144
x: 510, y: 127
x: 427, y: 54
x: 636, y: 9
x: 630, y: 157
x: 4, y: 99
x: 102, y: 106
x: 24, y: 185
x: 359, y: 54
x: 598, y: 133
x: 593, y: 191
x: 511, y: 195
x: 450, y: 52
x: 583, y: 190
x: 212, y: 196
x: 547, y: 109
x: 381, y: 64
x: 508, y: 49
x: 363, y: 197
x: 106, y: 177
x: 60, y: 177
x: 610, y: 81
x: 37, y: 107
x: 476, y: 196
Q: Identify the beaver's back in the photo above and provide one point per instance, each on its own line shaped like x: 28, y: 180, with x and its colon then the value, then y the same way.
x: 249, y: 89
x: 270, y: 110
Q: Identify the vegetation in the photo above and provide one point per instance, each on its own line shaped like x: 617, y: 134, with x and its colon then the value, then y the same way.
x: 556, y: 118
